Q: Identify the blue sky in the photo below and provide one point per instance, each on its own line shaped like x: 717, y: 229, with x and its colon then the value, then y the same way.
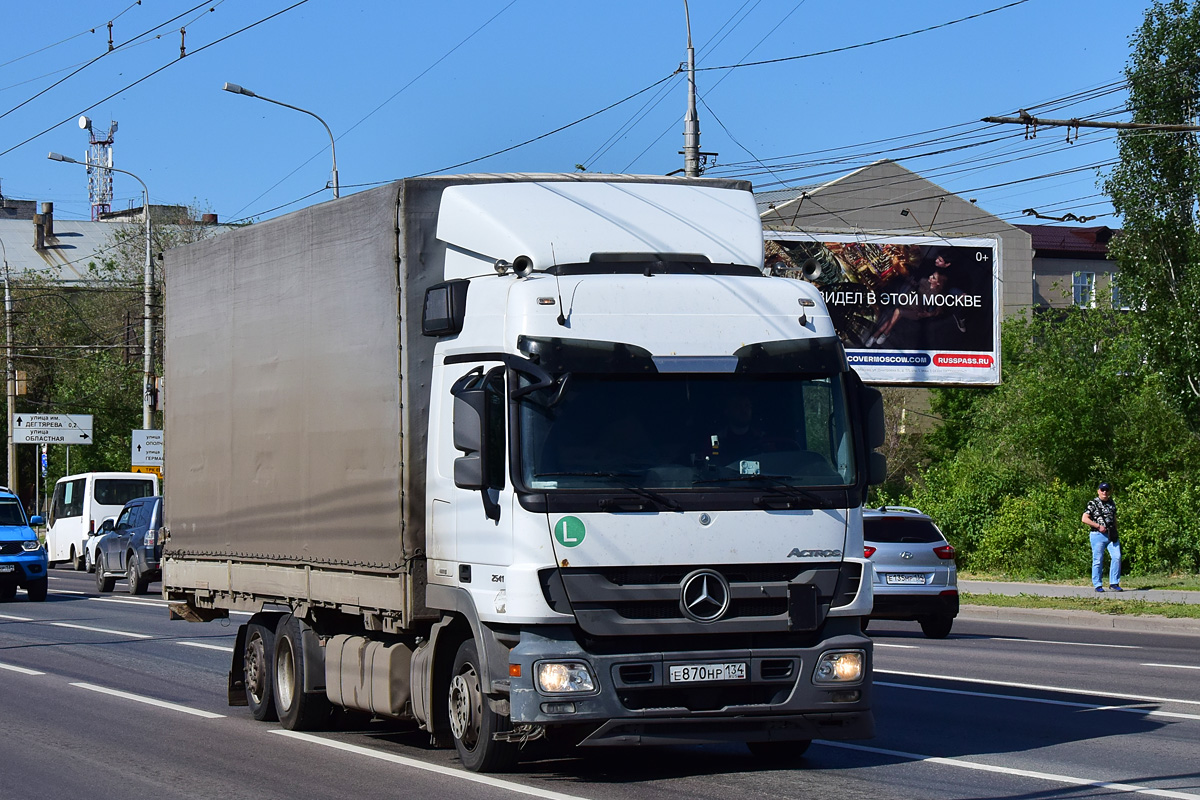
x: 416, y: 87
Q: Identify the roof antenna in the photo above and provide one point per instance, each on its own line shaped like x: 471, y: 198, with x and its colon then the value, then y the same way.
x: 562, y: 319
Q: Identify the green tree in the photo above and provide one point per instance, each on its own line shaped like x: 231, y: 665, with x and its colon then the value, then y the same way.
x: 1155, y: 188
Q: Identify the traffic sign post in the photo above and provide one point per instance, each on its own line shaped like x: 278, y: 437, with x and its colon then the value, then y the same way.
x: 52, y: 429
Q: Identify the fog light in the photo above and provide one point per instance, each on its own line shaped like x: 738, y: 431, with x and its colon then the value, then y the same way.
x: 564, y: 676
x: 558, y: 708
x: 845, y: 696
x: 840, y: 666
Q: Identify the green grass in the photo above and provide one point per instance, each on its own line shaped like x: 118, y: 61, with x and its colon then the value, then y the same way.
x: 1163, y: 581
x: 1102, y: 605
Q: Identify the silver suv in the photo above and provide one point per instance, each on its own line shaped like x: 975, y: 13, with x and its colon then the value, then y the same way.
x: 915, y: 574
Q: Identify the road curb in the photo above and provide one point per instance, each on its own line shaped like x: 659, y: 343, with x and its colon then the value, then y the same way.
x: 1082, y: 619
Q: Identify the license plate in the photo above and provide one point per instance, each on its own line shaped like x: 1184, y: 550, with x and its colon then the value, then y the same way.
x: 692, y: 673
x: 8, y: 567
x: 905, y: 578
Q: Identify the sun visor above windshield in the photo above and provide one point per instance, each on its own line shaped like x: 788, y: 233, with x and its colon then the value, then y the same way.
x: 506, y: 220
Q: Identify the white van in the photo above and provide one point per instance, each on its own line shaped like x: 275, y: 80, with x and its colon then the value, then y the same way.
x: 80, y: 504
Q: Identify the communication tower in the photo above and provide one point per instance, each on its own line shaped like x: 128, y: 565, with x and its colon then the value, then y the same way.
x: 99, y: 167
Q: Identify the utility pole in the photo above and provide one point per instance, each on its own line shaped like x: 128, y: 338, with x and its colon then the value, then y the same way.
x: 10, y: 376
x: 691, y: 123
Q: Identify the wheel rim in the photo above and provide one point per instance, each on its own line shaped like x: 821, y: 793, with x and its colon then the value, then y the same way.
x: 256, y: 669
x: 466, y: 706
x: 131, y: 573
x: 285, y: 674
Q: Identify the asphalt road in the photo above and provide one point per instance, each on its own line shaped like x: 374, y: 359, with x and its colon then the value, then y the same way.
x: 105, y: 697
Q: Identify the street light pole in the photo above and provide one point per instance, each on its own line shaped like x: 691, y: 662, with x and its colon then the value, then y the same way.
x: 148, y: 295
x: 235, y: 89
x: 10, y: 378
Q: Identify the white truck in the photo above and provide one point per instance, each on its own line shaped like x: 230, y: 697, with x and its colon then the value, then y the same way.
x: 517, y: 456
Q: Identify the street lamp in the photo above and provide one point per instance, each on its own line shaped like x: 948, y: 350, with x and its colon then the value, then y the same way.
x: 235, y: 89
x: 10, y: 377
x: 148, y: 291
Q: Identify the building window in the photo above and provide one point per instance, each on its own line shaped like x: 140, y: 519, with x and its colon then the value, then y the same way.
x: 1119, y: 300
x: 1083, y: 289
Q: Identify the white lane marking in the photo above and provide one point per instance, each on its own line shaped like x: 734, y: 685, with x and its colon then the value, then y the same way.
x: 1171, y: 666
x: 1146, y: 712
x: 130, y: 634
x: 150, y: 701
x: 67, y: 591
x: 15, y: 619
x: 145, y: 603
x: 413, y: 763
x: 1050, y: 641
x: 21, y: 670
x: 207, y: 646
x: 1038, y: 687
x: 905, y: 646
x: 1022, y: 773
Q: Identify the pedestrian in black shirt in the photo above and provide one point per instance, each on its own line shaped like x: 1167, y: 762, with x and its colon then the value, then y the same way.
x: 1101, y: 517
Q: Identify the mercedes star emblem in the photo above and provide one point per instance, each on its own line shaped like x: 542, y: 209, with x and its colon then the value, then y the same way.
x: 704, y: 596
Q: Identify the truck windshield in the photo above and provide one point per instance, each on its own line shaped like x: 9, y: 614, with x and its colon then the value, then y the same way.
x: 686, y: 431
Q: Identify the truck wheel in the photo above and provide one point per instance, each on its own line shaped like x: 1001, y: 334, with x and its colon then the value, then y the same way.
x: 937, y: 627
x: 864, y: 622
x: 258, y: 671
x: 779, y: 752
x: 472, y: 721
x: 103, y: 584
x: 298, y: 711
x: 37, y: 589
x: 137, y: 584
x: 8, y: 591
x: 77, y: 560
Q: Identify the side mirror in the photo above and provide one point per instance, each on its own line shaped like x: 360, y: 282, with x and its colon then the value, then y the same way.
x: 36, y: 520
x: 875, y: 428
x: 469, y: 415
x: 877, y: 468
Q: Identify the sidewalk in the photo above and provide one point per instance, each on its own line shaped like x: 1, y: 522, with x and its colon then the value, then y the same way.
x: 1085, y: 619
x: 1057, y: 590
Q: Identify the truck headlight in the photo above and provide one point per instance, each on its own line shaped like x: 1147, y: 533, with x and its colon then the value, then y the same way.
x: 31, y: 545
x: 559, y: 677
x: 840, y: 666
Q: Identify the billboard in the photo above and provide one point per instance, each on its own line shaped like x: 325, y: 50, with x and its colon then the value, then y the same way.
x: 908, y: 309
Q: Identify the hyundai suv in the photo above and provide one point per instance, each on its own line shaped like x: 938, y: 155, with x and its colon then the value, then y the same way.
x: 22, y: 557
x: 915, y: 574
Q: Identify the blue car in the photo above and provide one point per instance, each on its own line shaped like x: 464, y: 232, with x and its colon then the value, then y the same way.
x: 22, y: 557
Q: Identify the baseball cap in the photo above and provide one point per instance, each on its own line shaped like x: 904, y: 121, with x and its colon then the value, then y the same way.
x: 1104, y: 487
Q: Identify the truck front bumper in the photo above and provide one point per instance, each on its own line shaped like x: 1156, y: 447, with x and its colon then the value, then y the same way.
x: 633, y: 699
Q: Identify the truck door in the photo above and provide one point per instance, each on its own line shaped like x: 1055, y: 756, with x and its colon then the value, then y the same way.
x: 482, y: 516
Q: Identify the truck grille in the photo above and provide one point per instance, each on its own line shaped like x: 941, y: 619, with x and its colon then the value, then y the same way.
x: 632, y: 601
x: 10, y: 548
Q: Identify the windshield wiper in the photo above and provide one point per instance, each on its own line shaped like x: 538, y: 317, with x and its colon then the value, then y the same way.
x: 774, y: 481
x: 625, y: 479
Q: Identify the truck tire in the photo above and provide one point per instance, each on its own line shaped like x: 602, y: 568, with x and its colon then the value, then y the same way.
x: 8, y: 590
x: 472, y: 721
x: 298, y: 711
x: 77, y: 560
x: 258, y: 671
x: 779, y: 752
x: 137, y: 584
x: 36, y: 589
x: 937, y: 627
x: 103, y: 584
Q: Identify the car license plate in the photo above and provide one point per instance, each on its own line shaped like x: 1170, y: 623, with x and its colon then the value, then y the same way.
x: 905, y: 577
x: 8, y: 567
x: 692, y: 673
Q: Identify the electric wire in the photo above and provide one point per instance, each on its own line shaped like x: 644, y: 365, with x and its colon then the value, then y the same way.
x: 151, y: 74
x: 84, y: 32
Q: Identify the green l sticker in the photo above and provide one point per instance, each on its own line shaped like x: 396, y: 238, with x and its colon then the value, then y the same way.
x: 569, y: 531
